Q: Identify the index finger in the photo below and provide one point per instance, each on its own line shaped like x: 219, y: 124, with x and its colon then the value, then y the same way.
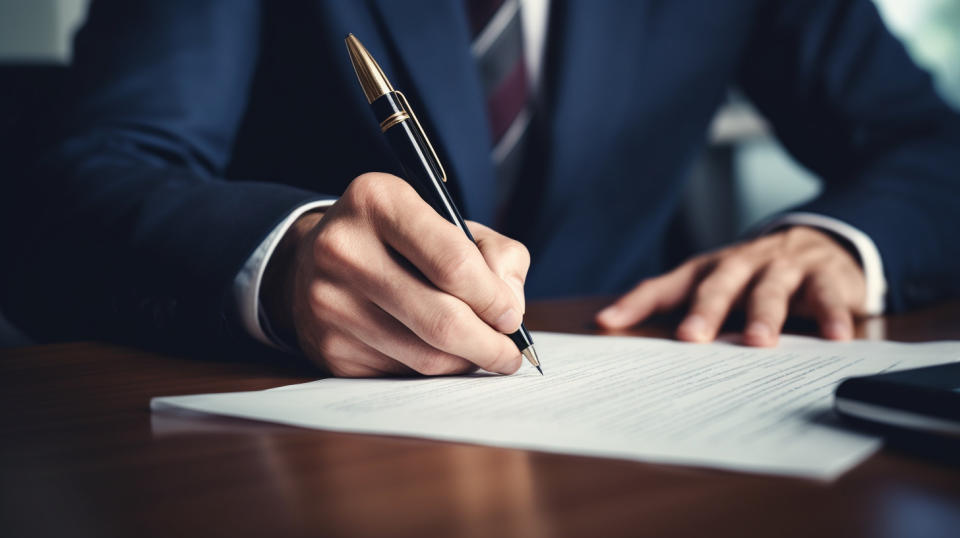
x: 448, y: 259
x: 655, y: 294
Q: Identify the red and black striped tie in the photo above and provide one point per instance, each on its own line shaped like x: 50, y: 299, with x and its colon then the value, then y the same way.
x: 498, y: 49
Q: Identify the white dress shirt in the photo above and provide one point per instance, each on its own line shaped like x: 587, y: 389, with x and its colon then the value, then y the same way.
x: 534, y: 13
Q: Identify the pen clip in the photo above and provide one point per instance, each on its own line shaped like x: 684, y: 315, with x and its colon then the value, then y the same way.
x: 409, y: 110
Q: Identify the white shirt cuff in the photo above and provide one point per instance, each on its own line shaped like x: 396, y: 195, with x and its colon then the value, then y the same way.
x: 246, y: 285
x: 870, y: 258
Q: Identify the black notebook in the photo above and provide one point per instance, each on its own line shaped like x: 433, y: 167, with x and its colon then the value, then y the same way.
x: 923, y: 399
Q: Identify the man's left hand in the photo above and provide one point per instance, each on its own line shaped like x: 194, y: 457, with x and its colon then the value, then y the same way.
x: 798, y: 270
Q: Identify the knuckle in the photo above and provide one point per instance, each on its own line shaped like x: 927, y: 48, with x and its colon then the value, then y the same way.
x: 319, y: 295
x: 790, y: 237
x: 445, y: 327
x: 769, y: 292
x: 519, y: 252
x: 781, y: 266
x: 324, y: 305
x: 489, y: 304
x: 332, y: 246
x: 800, y: 234
x: 453, y: 267
x: 371, y: 190
x: 713, y: 289
x: 733, y: 266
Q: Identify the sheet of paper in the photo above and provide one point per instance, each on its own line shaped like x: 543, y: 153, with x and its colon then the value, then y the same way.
x: 719, y: 405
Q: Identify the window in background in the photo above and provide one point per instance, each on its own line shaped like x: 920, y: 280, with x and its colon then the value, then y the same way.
x: 39, y: 30
x: 930, y: 29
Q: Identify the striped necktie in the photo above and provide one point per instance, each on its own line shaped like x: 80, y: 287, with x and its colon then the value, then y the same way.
x: 498, y: 50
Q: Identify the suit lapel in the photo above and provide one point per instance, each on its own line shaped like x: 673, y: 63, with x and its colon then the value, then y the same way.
x: 431, y: 40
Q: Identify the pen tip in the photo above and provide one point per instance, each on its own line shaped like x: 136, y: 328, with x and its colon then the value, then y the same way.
x: 540, y: 370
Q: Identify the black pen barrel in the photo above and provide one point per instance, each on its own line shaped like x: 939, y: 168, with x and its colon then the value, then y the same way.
x: 422, y: 171
x: 521, y: 338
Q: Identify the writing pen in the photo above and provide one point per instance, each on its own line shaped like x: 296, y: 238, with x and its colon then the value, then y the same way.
x: 421, y: 166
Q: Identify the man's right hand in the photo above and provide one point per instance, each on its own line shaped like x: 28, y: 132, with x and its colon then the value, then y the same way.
x: 381, y: 284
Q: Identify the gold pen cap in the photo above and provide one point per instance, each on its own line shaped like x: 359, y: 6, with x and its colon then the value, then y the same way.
x: 372, y: 79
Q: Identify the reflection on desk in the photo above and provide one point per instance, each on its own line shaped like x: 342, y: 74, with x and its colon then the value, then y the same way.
x: 82, y: 456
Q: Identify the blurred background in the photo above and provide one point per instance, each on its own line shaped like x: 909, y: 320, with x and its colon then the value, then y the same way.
x: 744, y: 175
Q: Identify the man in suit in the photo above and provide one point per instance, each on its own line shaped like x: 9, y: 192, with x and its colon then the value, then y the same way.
x: 220, y: 178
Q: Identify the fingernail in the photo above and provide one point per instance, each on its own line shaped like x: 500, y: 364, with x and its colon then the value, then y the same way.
x: 694, y: 327
x: 837, y: 330
x: 517, y: 286
x: 509, y: 321
x: 758, y: 330
x: 610, y: 315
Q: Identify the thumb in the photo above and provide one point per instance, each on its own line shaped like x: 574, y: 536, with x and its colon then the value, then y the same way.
x: 507, y: 258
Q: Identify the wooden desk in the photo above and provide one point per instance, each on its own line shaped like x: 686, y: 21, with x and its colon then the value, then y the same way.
x: 83, y: 456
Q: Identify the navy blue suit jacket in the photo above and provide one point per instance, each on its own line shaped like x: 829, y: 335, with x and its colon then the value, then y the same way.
x: 197, y: 125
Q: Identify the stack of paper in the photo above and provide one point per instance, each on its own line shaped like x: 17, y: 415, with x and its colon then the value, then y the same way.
x: 721, y: 405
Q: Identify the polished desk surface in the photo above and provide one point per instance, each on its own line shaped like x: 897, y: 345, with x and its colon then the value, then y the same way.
x: 83, y: 456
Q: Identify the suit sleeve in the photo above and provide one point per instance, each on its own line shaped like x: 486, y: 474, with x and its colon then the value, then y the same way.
x: 138, y: 238
x: 848, y: 103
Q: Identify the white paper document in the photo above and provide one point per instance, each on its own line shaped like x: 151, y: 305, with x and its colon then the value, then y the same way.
x: 718, y: 405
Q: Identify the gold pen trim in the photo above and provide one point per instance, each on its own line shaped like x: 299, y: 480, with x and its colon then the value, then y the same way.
x: 372, y: 80
x: 393, y: 119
